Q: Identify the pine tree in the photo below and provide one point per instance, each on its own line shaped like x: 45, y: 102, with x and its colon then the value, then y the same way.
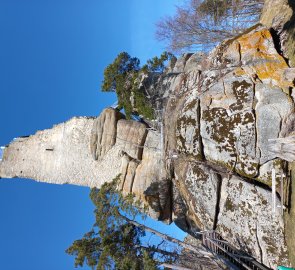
x: 116, y: 244
x: 116, y: 241
x: 123, y: 76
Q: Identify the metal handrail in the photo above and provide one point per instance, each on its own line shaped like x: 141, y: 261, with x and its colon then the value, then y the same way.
x: 212, y: 240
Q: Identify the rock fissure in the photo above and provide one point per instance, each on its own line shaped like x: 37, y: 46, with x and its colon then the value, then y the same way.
x: 240, y: 55
x: 258, y: 242
x: 277, y: 42
x: 218, y: 195
x: 201, y: 145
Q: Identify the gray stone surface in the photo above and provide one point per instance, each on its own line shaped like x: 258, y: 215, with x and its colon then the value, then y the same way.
x: 245, y: 220
x: 228, y: 124
x: 199, y: 188
x: 194, y: 62
x: 130, y: 137
x: 188, y: 128
x: 271, y: 107
x: 181, y: 62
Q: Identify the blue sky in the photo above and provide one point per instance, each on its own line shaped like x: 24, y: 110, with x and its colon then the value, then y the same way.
x: 52, y: 57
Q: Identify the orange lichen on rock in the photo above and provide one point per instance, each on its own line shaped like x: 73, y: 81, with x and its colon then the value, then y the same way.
x: 258, y: 51
x: 239, y: 72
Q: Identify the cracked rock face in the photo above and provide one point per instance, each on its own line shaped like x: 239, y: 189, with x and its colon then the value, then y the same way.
x: 188, y: 128
x: 199, y: 186
x: 222, y: 117
x: 245, y: 216
x: 226, y: 115
x: 228, y: 124
x: 272, y: 106
x: 209, y: 166
x: 104, y: 132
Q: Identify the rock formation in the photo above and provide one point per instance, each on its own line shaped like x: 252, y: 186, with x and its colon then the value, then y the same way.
x: 209, y: 165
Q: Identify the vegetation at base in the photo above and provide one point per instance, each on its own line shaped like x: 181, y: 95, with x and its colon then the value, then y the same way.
x: 123, y: 76
x: 115, y: 241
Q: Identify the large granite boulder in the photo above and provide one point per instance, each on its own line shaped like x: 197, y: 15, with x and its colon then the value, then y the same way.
x: 131, y: 137
x: 104, y: 132
x: 245, y: 219
x: 199, y: 187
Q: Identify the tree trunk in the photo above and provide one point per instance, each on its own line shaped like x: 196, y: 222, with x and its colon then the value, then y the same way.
x: 161, y: 251
x: 171, y: 239
x: 176, y: 267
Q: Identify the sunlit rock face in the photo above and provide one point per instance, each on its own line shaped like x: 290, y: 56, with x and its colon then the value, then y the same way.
x: 104, y: 132
x: 218, y: 118
x: 245, y: 218
x: 209, y: 165
x: 60, y: 155
x: 199, y: 187
x: 91, y: 151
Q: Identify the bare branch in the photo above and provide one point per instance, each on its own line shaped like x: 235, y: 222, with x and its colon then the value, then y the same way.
x: 207, y: 22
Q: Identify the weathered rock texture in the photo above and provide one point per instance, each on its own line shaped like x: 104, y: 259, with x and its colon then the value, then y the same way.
x: 253, y: 229
x: 209, y: 165
x: 60, y: 155
x: 279, y: 16
x: 89, y: 152
x: 219, y: 123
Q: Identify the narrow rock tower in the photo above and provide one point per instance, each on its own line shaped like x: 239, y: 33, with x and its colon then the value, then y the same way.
x: 89, y: 151
x: 59, y: 155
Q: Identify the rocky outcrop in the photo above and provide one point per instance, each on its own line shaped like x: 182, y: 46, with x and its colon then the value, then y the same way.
x: 219, y: 118
x: 276, y: 13
x: 206, y: 160
x: 89, y: 152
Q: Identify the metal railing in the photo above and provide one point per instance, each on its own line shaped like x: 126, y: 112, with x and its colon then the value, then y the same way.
x: 213, y: 241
